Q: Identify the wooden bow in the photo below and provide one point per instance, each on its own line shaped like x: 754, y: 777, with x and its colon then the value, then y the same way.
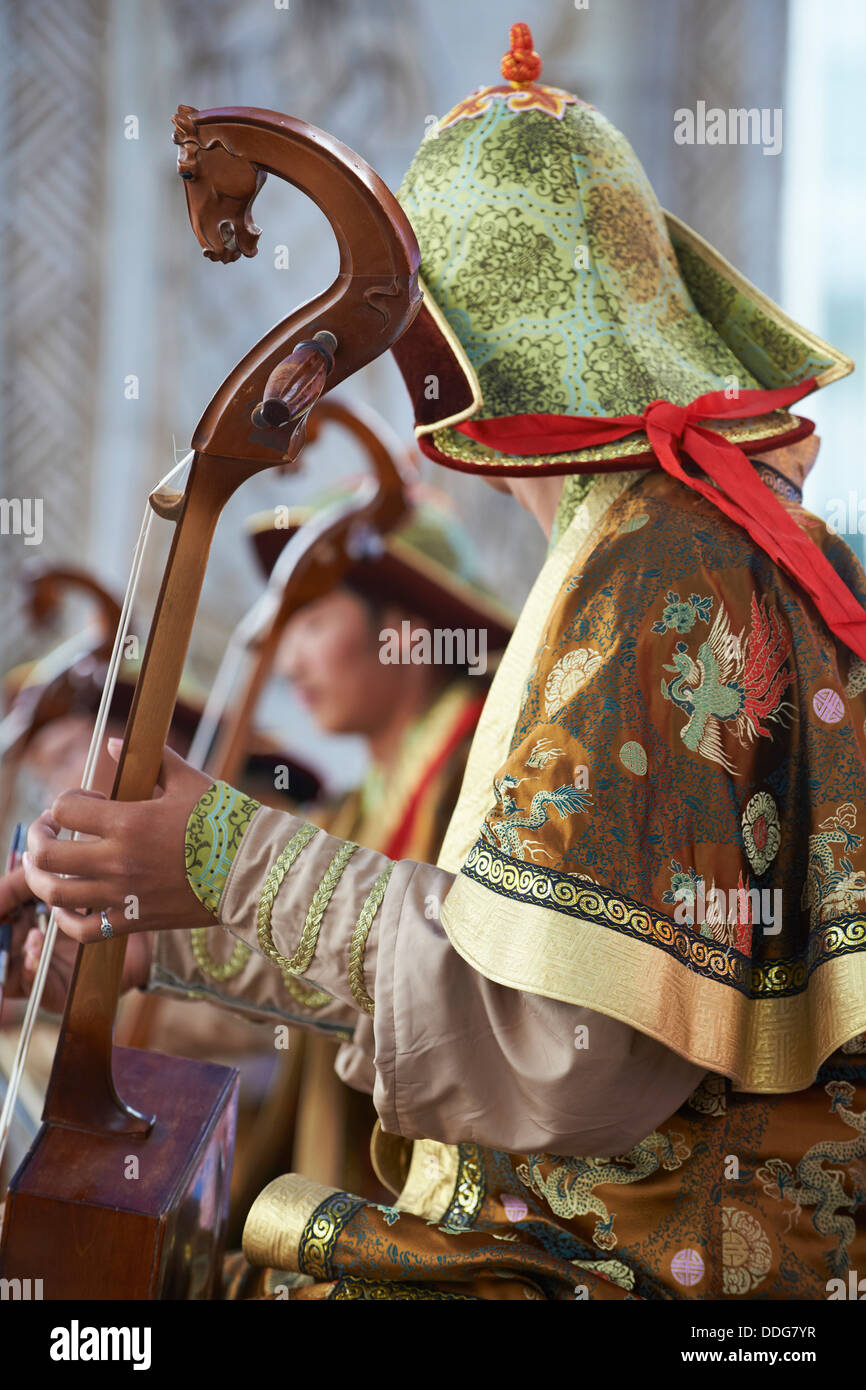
x: 57, y: 1204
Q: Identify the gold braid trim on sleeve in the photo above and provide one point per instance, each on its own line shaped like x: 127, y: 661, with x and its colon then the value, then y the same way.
x: 358, y: 943
x: 298, y: 964
x: 217, y: 969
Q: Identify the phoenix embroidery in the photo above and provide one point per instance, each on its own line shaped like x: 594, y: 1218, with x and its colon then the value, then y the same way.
x: 734, y: 682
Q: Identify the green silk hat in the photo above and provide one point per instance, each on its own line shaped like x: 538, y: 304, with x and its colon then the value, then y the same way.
x: 570, y: 324
x: 554, y: 283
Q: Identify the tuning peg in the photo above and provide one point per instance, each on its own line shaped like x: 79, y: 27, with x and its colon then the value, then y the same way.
x: 296, y: 383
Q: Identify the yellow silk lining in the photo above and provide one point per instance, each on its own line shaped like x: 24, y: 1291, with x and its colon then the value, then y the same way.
x: 429, y: 1186
x: 492, y: 741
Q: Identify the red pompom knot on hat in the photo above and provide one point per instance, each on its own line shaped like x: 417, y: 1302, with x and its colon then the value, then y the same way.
x: 521, y: 63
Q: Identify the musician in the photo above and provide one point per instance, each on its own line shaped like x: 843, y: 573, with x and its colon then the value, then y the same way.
x: 623, y: 1021
x: 416, y: 719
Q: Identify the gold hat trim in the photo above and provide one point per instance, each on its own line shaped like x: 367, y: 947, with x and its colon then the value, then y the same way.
x: 842, y: 364
x: 637, y: 445
x: 463, y: 362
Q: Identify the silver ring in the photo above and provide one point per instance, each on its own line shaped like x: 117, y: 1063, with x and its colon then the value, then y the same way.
x: 106, y: 928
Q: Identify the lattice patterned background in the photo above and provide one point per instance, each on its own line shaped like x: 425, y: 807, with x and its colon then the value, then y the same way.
x: 51, y: 101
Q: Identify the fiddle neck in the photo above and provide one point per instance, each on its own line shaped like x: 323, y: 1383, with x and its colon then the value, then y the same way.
x: 378, y: 270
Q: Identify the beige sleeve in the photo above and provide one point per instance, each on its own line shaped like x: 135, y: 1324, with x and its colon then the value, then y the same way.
x: 449, y: 1054
x: 257, y: 992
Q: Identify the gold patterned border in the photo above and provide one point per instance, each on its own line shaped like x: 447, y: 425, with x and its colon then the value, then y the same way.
x: 469, y: 1190
x: 322, y: 1231
x: 278, y: 1218
x: 765, y: 1045
x: 590, y: 902
x: 464, y: 449
x: 460, y: 356
x: 430, y: 1184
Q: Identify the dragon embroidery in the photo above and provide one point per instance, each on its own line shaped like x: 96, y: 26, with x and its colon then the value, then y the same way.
x: 830, y: 891
x: 505, y: 833
x: 813, y: 1185
x: 569, y: 1188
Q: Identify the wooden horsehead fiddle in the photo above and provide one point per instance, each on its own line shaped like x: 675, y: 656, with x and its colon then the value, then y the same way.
x: 72, y: 1218
x: 310, y: 565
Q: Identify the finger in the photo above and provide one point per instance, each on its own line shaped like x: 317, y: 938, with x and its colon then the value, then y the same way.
x: 88, y: 929
x: 115, y: 748
x: 89, y: 812
x: 83, y: 858
x: 32, y: 950
x: 13, y: 892
x: 71, y: 893
x: 44, y: 822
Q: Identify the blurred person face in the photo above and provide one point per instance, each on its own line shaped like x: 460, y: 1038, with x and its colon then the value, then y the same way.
x: 330, y: 652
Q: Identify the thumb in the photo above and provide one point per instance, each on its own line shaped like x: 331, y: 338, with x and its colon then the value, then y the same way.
x: 172, y: 772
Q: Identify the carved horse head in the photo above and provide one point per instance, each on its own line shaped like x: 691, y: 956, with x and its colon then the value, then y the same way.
x: 220, y: 190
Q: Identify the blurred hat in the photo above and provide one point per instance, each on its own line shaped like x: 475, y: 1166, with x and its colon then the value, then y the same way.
x: 77, y: 690
x: 427, y: 565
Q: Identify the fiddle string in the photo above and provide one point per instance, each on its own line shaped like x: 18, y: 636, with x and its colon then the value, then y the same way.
x: 34, y: 1001
x: 218, y: 697
x: 246, y: 634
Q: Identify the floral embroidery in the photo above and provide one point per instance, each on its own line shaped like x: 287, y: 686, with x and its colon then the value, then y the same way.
x: 389, y: 1214
x: 570, y: 674
x: 680, y: 615
x: 536, y: 97
x: 710, y: 1098
x: 746, y: 1252
x: 761, y: 833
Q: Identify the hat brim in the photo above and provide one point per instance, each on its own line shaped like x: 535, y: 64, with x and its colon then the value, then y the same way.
x: 772, y: 347
x: 399, y: 574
